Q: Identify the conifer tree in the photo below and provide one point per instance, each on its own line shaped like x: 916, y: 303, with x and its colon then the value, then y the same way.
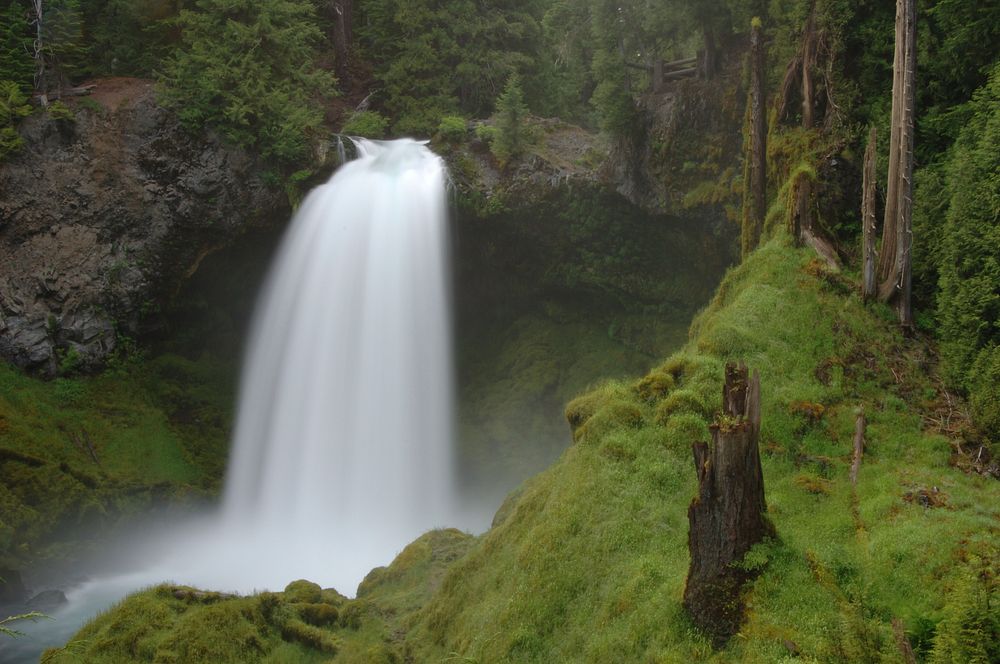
x: 511, y: 116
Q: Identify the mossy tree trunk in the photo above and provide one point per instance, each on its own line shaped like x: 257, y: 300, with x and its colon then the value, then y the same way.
x: 868, y: 220
x: 727, y: 517
x: 755, y: 192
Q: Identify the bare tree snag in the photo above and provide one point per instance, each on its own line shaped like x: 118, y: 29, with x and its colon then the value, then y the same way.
x: 727, y: 517
x: 868, y: 223
x: 755, y: 208
x: 41, y: 84
x: 904, y: 225
x: 897, y: 230
x: 808, y: 63
x: 859, y: 444
x: 887, y: 267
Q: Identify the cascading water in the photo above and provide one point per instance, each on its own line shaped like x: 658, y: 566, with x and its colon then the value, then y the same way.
x: 342, y: 452
x: 343, y: 440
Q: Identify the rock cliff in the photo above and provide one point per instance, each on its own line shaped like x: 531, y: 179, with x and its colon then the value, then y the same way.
x: 104, y: 216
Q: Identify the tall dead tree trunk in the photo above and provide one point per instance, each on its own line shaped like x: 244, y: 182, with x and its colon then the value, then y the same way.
x: 904, y: 235
x: 868, y: 222
x: 808, y: 63
x: 895, y: 265
x: 727, y: 517
x: 41, y: 82
x: 755, y: 195
x: 887, y: 269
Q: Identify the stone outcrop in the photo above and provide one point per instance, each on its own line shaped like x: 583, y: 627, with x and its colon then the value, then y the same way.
x: 102, y: 219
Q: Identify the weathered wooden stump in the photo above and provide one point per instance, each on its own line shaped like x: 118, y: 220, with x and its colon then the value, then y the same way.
x: 727, y: 517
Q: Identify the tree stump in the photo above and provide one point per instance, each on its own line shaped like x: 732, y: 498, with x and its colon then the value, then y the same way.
x: 727, y: 517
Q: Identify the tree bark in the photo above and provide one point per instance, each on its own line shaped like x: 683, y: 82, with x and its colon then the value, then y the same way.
x: 868, y: 223
x: 859, y: 445
x: 727, y: 517
x: 808, y: 63
x: 753, y: 221
x: 887, y: 267
x: 41, y: 83
x: 904, y: 236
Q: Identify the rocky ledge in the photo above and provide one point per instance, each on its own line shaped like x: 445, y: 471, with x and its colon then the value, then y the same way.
x: 103, y: 217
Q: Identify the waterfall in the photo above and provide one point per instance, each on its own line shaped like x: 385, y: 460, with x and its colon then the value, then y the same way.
x: 342, y: 448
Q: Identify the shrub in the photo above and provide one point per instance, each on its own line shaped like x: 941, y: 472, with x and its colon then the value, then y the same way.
x: 246, y: 68
x: 13, y: 107
x: 487, y: 133
x: 969, y: 301
x: 367, y: 124
x: 452, y: 128
x: 60, y: 112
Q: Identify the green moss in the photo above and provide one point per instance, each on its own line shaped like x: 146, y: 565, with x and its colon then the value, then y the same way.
x: 85, y: 451
x: 588, y: 561
x: 303, y: 591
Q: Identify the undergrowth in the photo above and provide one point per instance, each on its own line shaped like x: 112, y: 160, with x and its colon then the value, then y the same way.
x: 78, y: 453
x: 586, y: 562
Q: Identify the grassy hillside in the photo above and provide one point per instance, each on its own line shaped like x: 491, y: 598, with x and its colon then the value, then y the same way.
x: 586, y: 562
x: 78, y: 453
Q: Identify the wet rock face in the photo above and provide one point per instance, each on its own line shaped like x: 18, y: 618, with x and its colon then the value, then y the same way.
x: 101, y: 220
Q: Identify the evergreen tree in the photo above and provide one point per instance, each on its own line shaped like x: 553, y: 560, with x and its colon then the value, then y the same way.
x: 16, y: 45
x: 247, y: 67
x: 511, y: 115
x: 128, y: 37
x: 63, y: 46
x: 969, y: 301
x: 445, y: 58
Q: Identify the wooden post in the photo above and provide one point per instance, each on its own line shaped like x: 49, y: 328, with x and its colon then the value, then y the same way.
x: 755, y: 196
x: 859, y: 444
x: 868, y: 223
x: 657, y: 74
x: 727, y: 517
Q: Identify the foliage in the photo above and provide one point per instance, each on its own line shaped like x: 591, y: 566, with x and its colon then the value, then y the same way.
x: 90, y: 449
x: 13, y: 107
x: 452, y: 128
x: 367, y: 124
x: 63, y: 45
x: 969, y: 299
x: 248, y: 69
x: 441, y: 58
x: 60, y: 112
x: 9, y: 631
x: 128, y: 37
x: 512, y: 114
x: 16, y: 45
x: 970, y: 628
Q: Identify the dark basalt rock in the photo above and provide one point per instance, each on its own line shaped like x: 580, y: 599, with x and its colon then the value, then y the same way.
x: 46, y: 601
x: 100, y: 226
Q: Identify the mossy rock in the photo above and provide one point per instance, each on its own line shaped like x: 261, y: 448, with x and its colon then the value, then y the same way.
x: 303, y: 592
x: 582, y: 408
x: 317, y: 615
x: 681, y: 401
x: 612, y: 416
x: 655, y: 385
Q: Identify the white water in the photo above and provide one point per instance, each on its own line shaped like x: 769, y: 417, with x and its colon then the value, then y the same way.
x: 342, y: 450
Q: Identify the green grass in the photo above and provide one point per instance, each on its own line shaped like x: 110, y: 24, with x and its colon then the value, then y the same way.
x: 587, y: 561
x: 77, y: 453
